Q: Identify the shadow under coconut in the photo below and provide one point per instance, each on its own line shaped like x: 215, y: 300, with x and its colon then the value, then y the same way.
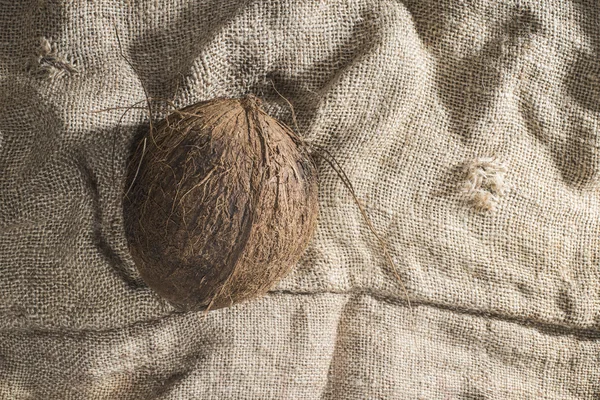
x: 100, y: 225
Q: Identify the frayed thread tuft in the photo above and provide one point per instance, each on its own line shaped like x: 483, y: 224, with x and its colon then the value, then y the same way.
x: 47, y: 64
x: 484, y: 183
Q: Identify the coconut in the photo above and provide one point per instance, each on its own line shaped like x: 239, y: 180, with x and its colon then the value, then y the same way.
x: 222, y: 203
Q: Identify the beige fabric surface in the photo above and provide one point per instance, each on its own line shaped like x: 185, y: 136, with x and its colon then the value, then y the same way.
x: 406, y: 95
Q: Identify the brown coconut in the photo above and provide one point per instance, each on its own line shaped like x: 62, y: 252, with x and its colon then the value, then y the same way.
x: 222, y: 202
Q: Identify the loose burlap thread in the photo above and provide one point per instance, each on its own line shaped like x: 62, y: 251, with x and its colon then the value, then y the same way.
x: 429, y: 106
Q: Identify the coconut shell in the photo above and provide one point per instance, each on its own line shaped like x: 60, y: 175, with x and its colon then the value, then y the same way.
x: 222, y: 203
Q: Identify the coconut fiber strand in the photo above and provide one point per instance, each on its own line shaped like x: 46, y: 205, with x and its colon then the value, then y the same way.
x: 468, y: 129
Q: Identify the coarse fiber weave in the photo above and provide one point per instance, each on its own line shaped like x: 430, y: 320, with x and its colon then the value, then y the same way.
x: 468, y: 128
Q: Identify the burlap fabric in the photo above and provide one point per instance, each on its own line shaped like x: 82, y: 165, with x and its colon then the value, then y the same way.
x: 414, y: 98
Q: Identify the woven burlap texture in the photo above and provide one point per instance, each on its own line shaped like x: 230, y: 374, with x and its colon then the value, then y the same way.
x: 468, y: 128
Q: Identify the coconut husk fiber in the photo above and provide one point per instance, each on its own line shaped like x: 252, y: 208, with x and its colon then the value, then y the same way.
x: 468, y: 129
x: 221, y: 203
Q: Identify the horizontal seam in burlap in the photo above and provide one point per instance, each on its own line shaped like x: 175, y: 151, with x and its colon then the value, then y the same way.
x: 549, y: 328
